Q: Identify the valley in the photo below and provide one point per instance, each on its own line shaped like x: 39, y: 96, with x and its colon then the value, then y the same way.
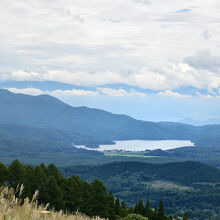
x: 149, y: 160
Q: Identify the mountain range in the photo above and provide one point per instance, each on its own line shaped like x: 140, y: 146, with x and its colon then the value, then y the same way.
x: 46, y: 118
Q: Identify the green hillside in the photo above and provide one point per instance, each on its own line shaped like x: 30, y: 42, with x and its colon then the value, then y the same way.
x: 186, y: 173
x: 189, y: 186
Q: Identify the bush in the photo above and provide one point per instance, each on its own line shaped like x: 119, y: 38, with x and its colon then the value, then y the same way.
x: 135, y: 217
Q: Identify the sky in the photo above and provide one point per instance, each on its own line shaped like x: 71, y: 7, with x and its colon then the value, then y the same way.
x: 153, y: 60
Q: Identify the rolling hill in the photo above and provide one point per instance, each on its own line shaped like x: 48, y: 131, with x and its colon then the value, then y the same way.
x: 185, y: 173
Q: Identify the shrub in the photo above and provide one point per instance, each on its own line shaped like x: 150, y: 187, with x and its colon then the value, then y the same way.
x: 135, y: 217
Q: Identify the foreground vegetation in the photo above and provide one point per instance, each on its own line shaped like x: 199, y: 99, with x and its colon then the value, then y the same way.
x: 13, y: 207
x: 68, y: 194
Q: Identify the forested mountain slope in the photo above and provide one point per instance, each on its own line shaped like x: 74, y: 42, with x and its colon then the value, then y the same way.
x: 185, y: 186
x: 48, y: 112
x: 187, y: 172
x: 45, y: 134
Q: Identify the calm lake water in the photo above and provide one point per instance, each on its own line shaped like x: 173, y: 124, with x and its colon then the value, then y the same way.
x: 142, y: 145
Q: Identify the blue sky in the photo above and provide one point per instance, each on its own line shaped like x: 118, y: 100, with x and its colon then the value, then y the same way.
x: 154, y: 60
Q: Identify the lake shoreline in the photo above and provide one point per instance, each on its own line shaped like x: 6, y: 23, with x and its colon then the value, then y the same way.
x: 141, y: 145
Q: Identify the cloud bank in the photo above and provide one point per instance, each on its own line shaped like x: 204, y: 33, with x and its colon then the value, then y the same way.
x: 156, y: 45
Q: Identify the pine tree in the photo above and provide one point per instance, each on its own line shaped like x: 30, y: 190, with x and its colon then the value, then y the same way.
x: 99, y: 207
x: 72, y: 194
x: 161, y: 211
x: 16, y: 173
x: 111, y: 206
x: 140, y: 208
x: 136, y: 208
x: 185, y: 216
x: 3, y: 173
x: 155, y: 213
x: 117, y: 207
x: 53, y: 171
x: 53, y: 194
x: 147, y: 209
x: 124, y: 211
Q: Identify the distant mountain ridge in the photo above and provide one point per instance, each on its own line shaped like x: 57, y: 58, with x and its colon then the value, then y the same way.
x: 50, y: 113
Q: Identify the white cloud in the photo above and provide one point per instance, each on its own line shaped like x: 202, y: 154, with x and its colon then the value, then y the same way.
x: 75, y: 78
x: 56, y: 93
x: 79, y: 92
x: 73, y: 92
x: 121, y: 92
x: 170, y: 77
x: 88, y: 42
x: 27, y: 91
x: 173, y: 94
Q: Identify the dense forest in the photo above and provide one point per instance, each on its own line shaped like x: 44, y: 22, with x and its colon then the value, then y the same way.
x: 187, y: 186
x: 72, y: 193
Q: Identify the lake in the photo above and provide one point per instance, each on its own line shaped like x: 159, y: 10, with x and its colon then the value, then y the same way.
x: 142, y: 145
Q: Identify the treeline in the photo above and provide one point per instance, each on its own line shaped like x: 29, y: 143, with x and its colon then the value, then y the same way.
x: 184, y: 186
x: 72, y: 193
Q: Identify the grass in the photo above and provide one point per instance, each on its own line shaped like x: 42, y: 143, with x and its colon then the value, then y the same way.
x: 128, y: 155
x: 165, y: 185
x: 15, y: 208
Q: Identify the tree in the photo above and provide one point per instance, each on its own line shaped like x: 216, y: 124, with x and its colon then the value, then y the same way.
x: 185, y: 216
x: 117, y: 207
x: 124, y: 209
x: 16, y: 173
x: 53, y: 171
x: 111, y: 206
x: 155, y: 213
x: 99, y: 206
x: 147, y: 209
x: 161, y: 210
x: 72, y: 194
x: 53, y: 194
x: 3, y: 173
x: 140, y: 208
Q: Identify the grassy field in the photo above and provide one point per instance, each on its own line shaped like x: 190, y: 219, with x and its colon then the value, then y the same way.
x: 128, y: 154
x: 165, y: 185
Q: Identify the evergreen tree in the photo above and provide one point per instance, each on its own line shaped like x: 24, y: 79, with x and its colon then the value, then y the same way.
x: 28, y: 182
x: 99, y: 207
x: 16, y: 173
x: 111, y: 206
x: 39, y: 178
x: 72, y: 194
x: 53, y: 194
x: 155, y: 213
x: 147, y: 212
x: 140, y: 208
x: 161, y: 211
x: 136, y: 208
x: 124, y: 210
x: 185, y: 216
x: 117, y: 207
x: 53, y: 171
x: 3, y: 173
